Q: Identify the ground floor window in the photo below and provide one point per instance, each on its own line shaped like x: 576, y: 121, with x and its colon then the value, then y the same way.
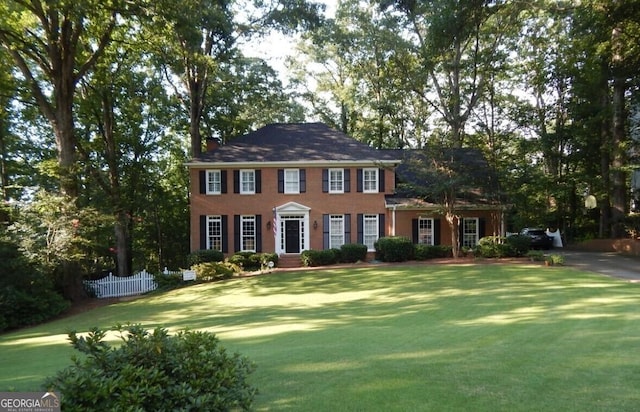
x: 336, y: 231
x: 248, y: 233
x: 469, y: 232
x: 425, y: 231
x: 370, y: 230
x: 214, y: 232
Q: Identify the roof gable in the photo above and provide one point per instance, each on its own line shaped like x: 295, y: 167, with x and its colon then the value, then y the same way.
x: 306, y: 142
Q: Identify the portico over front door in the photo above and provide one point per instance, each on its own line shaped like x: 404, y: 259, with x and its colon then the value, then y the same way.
x: 292, y: 228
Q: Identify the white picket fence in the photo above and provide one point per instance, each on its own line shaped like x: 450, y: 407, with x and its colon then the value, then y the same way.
x: 115, y: 286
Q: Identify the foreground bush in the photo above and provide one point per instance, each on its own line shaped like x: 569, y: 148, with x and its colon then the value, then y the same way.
x: 320, y: 257
x: 424, y: 252
x: 153, y: 372
x: 204, y: 255
x: 353, y: 252
x: 251, y: 261
x: 394, y: 249
x: 211, y: 271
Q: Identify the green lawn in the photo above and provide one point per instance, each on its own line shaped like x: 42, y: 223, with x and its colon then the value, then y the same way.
x: 395, y: 338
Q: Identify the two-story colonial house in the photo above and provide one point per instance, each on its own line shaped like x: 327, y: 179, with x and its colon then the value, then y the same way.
x: 286, y: 188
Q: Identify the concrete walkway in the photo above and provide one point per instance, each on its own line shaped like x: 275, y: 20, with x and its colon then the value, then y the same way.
x: 606, y: 263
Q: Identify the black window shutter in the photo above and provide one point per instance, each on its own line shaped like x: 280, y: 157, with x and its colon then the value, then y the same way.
x: 482, y: 228
x: 325, y: 180
x: 360, y: 228
x: 303, y: 181
x: 258, y: 233
x: 347, y: 228
x: 460, y: 231
x: 258, y: 174
x: 436, y: 231
x: 414, y: 230
x: 203, y: 232
x: 223, y: 181
x: 347, y: 180
x: 359, y: 180
x: 203, y: 182
x: 236, y: 181
x: 325, y: 232
x: 280, y: 180
x: 381, y: 226
x: 381, y: 180
x: 236, y: 233
x: 225, y: 234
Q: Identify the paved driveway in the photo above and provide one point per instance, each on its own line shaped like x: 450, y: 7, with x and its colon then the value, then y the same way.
x: 611, y: 264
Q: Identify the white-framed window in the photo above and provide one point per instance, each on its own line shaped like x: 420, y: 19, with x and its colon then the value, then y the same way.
x: 247, y: 182
x: 370, y: 180
x: 425, y: 231
x: 469, y: 232
x: 248, y: 233
x: 370, y: 230
x: 214, y: 232
x: 336, y: 231
x: 292, y: 181
x: 214, y: 182
x: 336, y: 180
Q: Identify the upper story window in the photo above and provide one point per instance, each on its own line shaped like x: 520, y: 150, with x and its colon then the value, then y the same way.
x: 336, y: 180
x: 370, y: 231
x: 425, y: 231
x: 214, y: 182
x: 247, y: 181
x: 370, y: 180
x: 292, y: 181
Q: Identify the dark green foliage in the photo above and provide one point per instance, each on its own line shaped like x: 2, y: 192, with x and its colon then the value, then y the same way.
x: 168, y: 281
x: 519, y: 244
x: 27, y: 297
x: 152, y: 371
x: 211, y: 271
x: 353, y: 252
x: 250, y: 261
x: 204, y: 255
x: 424, y: 252
x: 394, y: 249
x: 499, y: 247
x: 320, y: 257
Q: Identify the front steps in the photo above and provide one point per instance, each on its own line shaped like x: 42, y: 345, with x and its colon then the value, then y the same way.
x: 287, y: 261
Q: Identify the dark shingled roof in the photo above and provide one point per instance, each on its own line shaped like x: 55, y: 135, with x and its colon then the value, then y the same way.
x: 312, y: 142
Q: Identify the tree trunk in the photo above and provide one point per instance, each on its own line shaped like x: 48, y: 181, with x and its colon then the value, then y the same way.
x: 619, y: 187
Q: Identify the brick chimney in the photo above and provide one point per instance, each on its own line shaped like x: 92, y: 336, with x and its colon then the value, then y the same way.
x: 212, y: 144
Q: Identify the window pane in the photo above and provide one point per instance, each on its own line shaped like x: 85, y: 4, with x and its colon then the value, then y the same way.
x: 248, y: 233
x: 213, y: 181
x: 336, y: 231
x: 425, y: 231
x: 336, y: 180
x: 247, y: 181
x: 214, y: 232
x: 470, y: 232
x: 370, y: 180
x: 370, y: 228
x: 291, y: 181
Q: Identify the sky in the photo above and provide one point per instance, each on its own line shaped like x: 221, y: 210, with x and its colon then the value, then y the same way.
x: 277, y: 47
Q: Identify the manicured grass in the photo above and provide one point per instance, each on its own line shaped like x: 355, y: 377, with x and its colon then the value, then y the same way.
x: 395, y: 338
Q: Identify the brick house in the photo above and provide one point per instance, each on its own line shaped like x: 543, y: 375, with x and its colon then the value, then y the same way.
x: 286, y: 188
